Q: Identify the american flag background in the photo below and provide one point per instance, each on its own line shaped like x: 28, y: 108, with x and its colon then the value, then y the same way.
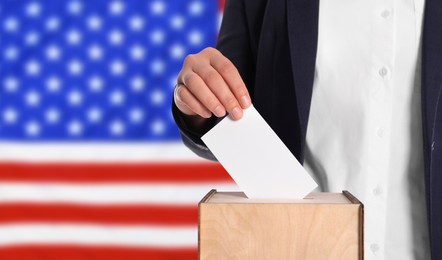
x: 91, y: 162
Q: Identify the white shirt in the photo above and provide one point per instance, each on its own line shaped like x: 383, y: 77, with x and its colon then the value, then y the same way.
x: 365, y: 129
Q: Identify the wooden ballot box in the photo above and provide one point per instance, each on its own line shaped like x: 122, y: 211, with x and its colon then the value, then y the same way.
x: 320, y: 226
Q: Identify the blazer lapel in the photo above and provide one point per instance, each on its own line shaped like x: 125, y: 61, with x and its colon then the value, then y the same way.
x: 431, y: 94
x: 431, y: 66
x: 302, y: 21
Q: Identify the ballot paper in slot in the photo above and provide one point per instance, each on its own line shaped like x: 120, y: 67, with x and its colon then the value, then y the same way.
x: 257, y: 160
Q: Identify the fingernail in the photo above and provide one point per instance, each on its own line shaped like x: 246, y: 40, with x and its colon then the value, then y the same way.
x: 245, y: 101
x: 220, y: 111
x: 236, y: 113
x: 207, y: 115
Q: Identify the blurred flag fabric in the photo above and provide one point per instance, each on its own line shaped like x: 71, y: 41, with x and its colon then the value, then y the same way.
x: 91, y: 162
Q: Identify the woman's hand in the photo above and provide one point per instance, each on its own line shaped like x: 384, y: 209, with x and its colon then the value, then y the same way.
x: 209, y: 84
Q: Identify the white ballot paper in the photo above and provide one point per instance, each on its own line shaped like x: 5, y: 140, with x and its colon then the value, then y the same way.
x: 258, y: 161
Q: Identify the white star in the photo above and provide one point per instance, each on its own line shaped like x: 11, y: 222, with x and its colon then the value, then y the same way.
x: 75, y: 127
x: 157, y: 67
x: 117, y: 127
x: 52, y: 115
x: 10, y: 84
x: 53, y: 84
x: 53, y: 23
x: 177, y: 22
x: 75, y: 7
x: 137, y: 83
x: 32, y: 67
x: 157, y: 127
x: 137, y: 52
x: 32, y: 98
x: 116, y: 37
x: 10, y: 115
x: 158, y: 7
x: 195, y: 38
x: 177, y: 51
x: 136, y: 23
x: 94, y: 22
x: 157, y: 36
x: 196, y: 8
x: 75, y: 67
x: 157, y: 97
x: 95, y: 83
x: 116, y: 97
x: 11, y: 53
x: 32, y: 128
x: 53, y: 52
x: 116, y: 7
x: 33, y: 9
x: 136, y: 115
x: 94, y: 114
x: 73, y: 37
x: 95, y: 52
x: 32, y: 38
x: 75, y: 97
x: 117, y: 67
x: 10, y: 24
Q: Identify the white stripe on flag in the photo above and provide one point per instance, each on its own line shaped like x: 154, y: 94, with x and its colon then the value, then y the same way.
x: 96, y: 152
x: 108, y: 235
x: 170, y: 194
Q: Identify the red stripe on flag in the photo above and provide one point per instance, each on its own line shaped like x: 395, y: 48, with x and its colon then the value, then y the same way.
x: 221, y: 5
x: 95, y: 252
x: 126, y: 214
x: 106, y: 173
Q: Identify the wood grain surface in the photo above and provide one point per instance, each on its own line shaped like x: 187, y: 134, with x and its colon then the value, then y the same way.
x: 280, y: 230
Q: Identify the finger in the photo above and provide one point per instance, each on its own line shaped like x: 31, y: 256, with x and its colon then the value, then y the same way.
x: 218, y: 86
x: 202, y: 93
x: 232, y: 77
x: 180, y: 103
x: 184, y: 97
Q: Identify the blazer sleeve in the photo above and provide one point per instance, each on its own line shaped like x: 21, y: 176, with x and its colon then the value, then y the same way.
x: 234, y: 43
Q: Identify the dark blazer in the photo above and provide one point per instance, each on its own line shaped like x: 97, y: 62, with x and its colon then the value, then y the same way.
x: 273, y: 44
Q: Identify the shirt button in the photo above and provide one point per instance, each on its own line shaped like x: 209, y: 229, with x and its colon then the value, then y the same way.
x: 377, y: 191
x: 380, y: 132
x: 374, y: 247
x: 432, y: 145
x: 385, y: 13
x: 383, y: 72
